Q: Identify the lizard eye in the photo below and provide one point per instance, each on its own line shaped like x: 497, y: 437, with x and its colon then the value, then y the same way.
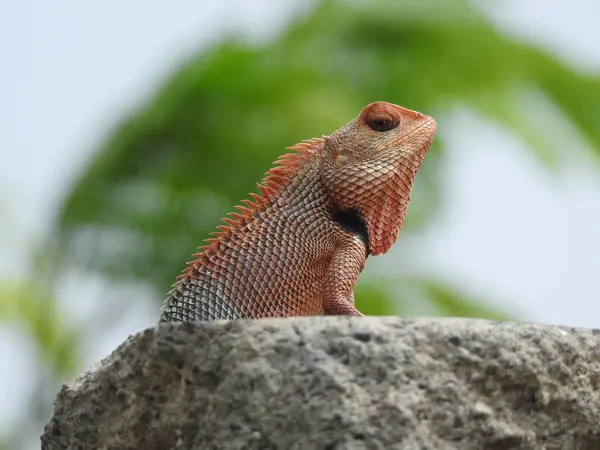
x: 382, y: 123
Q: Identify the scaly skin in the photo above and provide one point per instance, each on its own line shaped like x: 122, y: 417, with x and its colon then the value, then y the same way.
x: 299, y: 248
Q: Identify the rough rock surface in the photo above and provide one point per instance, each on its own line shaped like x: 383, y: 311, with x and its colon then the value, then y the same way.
x: 338, y: 383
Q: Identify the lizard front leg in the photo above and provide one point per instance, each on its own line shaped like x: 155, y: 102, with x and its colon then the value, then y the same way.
x: 347, y: 263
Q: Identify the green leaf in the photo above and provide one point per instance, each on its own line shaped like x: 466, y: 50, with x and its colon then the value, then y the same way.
x: 24, y: 302
x: 373, y: 299
x: 420, y: 296
x: 452, y: 303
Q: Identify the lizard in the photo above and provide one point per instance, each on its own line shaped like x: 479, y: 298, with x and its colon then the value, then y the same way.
x: 298, y: 248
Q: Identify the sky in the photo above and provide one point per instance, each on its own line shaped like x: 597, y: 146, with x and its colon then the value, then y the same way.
x: 71, y: 70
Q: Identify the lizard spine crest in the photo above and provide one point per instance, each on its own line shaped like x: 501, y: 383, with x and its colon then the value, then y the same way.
x: 275, y: 180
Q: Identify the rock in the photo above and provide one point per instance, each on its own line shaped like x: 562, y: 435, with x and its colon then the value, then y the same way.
x: 338, y: 383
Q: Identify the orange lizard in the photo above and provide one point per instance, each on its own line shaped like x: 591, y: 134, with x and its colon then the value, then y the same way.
x: 299, y: 248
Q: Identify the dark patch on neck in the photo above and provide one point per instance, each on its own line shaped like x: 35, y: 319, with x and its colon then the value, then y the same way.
x: 353, y: 221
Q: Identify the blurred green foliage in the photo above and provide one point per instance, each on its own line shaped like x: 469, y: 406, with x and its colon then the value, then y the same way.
x: 33, y: 308
x: 26, y: 302
x: 162, y: 180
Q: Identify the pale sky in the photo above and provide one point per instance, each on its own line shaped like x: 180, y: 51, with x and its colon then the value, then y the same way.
x: 72, y: 69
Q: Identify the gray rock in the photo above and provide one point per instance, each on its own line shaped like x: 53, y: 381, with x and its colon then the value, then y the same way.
x: 338, y: 383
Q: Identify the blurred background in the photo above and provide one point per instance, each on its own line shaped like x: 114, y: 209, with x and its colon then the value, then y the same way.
x: 128, y: 129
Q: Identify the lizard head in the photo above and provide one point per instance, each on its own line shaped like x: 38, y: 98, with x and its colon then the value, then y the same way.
x: 369, y: 166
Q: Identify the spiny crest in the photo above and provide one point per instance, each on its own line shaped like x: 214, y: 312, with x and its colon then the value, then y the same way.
x: 275, y: 180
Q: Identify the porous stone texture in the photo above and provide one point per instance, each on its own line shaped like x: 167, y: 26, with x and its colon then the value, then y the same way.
x: 338, y: 383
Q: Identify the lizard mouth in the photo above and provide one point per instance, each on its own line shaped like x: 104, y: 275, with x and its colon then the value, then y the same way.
x: 424, y: 130
x: 406, y: 144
